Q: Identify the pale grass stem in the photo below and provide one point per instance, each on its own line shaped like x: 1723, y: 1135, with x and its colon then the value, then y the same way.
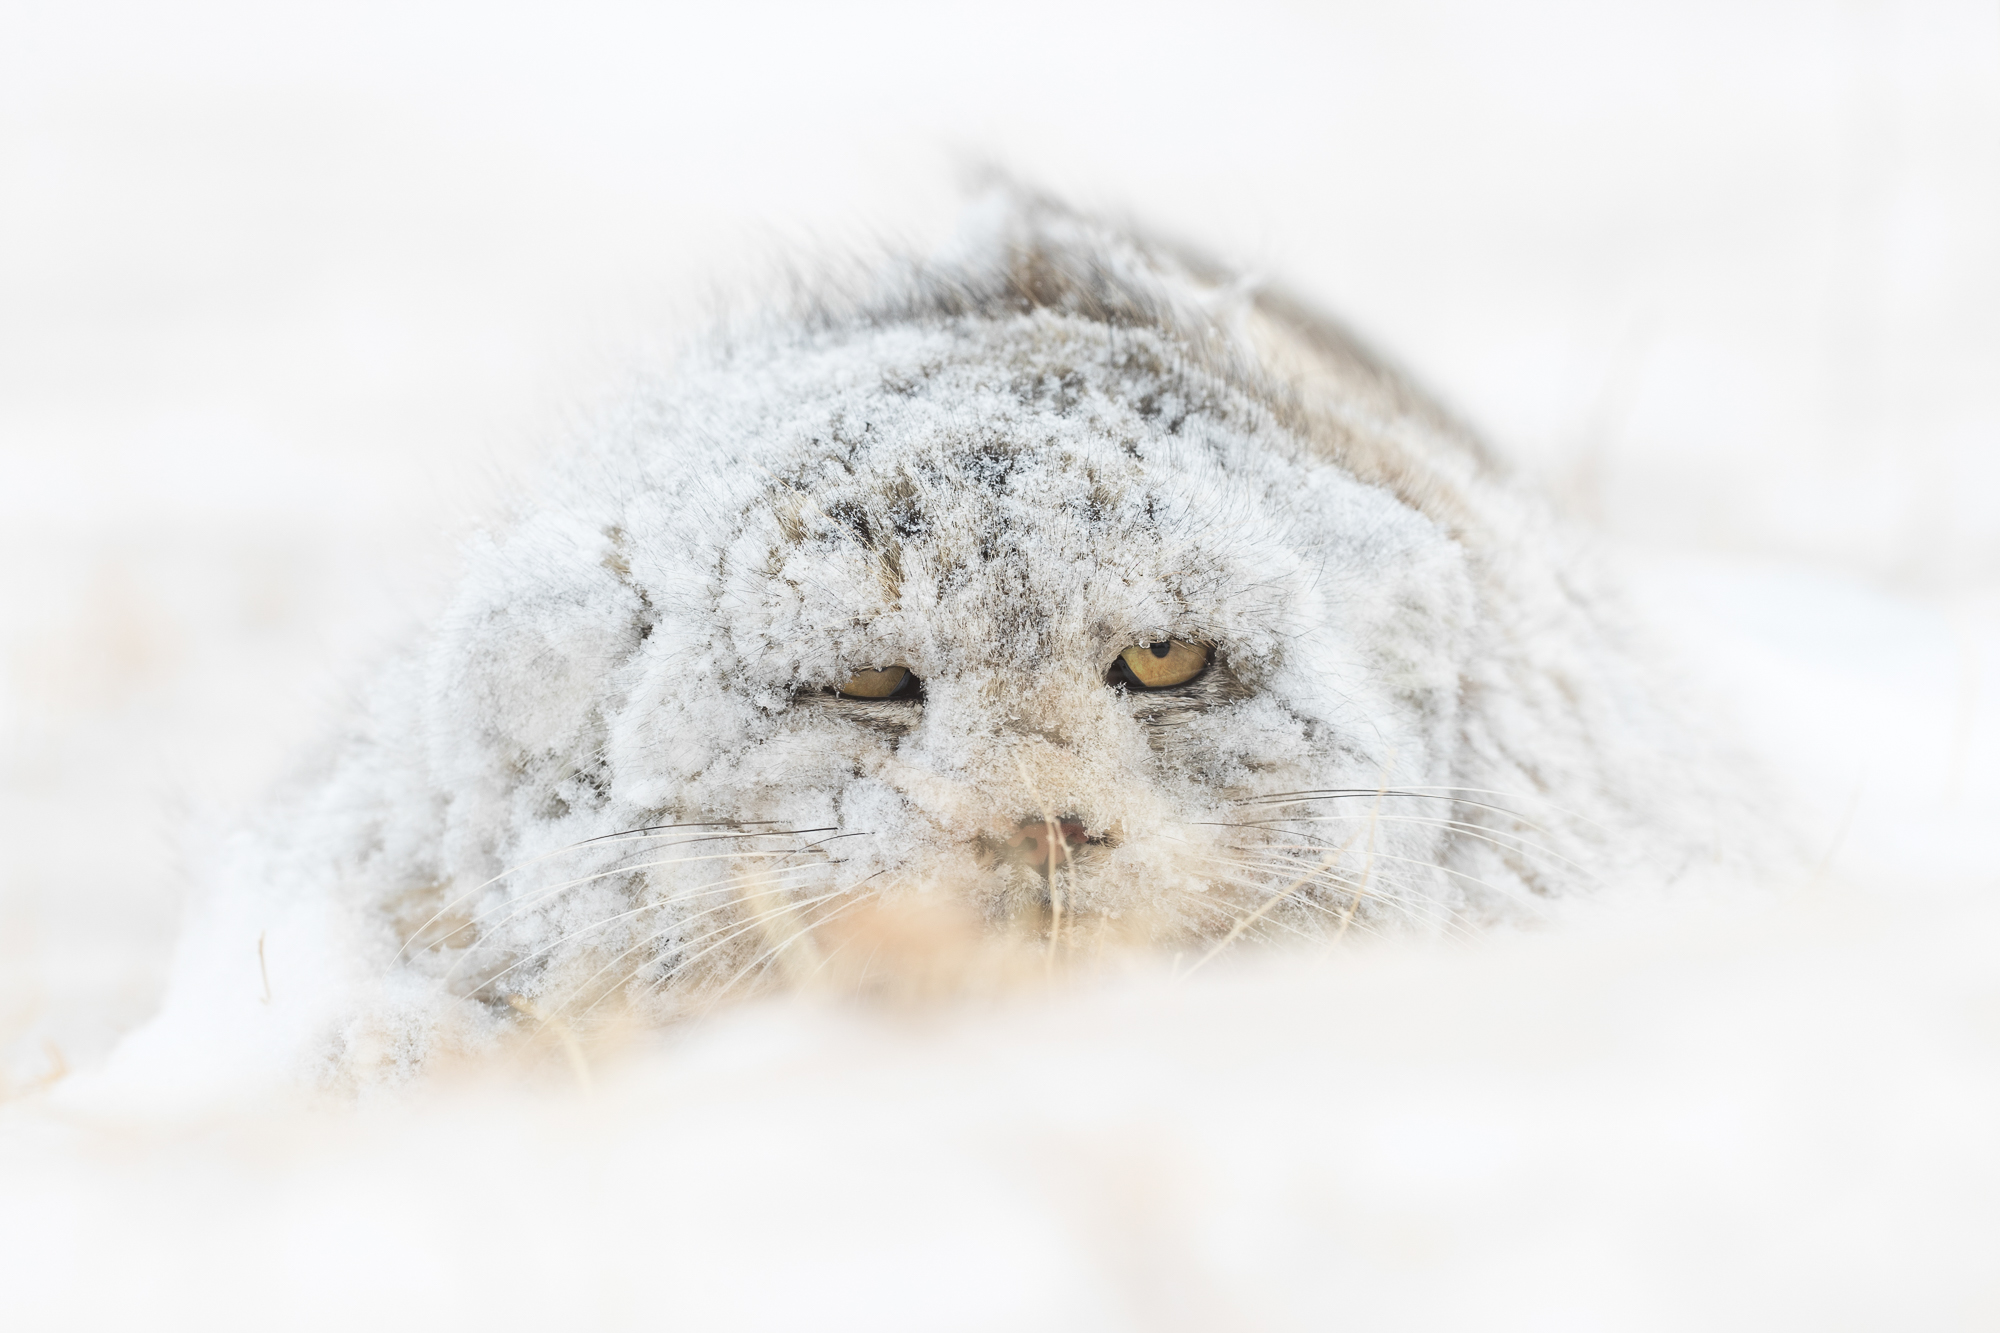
x: 572, y: 1048
x: 760, y: 895
x: 1056, y: 839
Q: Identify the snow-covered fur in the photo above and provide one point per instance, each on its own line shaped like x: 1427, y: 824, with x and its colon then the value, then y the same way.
x: 617, y: 771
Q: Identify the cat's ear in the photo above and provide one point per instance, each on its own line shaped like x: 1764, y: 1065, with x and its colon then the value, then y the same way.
x: 528, y: 655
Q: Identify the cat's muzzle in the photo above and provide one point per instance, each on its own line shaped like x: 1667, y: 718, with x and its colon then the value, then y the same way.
x: 1040, y: 842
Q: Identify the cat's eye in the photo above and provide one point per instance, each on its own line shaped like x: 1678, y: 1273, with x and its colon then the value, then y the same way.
x: 882, y: 684
x: 1157, y: 666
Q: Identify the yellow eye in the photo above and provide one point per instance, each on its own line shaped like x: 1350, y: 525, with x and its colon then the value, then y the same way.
x: 1168, y: 662
x: 874, y: 684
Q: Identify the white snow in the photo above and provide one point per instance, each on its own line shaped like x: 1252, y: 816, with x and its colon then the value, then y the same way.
x: 278, y: 297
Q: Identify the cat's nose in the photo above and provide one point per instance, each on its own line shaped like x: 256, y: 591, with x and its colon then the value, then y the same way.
x: 1031, y: 842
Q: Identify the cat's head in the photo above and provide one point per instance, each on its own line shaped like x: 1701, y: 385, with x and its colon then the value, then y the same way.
x: 1028, y: 584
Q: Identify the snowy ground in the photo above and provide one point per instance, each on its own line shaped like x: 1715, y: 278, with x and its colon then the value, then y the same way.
x: 282, y: 298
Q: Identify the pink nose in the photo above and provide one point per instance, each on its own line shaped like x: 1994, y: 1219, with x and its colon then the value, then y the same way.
x: 1031, y: 842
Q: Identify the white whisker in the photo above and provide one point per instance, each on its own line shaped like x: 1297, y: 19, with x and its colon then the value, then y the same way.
x: 628, y: 835
x: 1480, y: 832
x: 732, y: 929
x: 660, y: 905
x: 523, y: 904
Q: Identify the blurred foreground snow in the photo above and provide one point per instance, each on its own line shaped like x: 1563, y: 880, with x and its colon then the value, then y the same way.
x: 1751, y: 1116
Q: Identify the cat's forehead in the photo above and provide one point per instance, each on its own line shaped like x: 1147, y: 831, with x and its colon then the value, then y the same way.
x: 1043, y: 422
x: 1044, y: 440
x: 1028, y: 482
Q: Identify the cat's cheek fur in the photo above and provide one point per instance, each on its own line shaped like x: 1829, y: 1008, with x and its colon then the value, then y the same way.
x: 900, y: 834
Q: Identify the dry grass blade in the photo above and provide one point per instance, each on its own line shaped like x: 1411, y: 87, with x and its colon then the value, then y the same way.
x: 1055, y: 840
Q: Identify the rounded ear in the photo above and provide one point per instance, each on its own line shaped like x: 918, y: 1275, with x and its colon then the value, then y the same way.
x: 527, y: 661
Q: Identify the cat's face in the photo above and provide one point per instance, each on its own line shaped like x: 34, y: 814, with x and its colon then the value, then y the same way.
x: 1108, y: 594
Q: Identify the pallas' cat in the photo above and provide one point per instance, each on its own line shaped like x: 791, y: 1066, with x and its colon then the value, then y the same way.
x: 1062, y: 588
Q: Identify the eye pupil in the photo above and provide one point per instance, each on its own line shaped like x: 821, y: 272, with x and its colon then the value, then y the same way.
x: 1162, y: 648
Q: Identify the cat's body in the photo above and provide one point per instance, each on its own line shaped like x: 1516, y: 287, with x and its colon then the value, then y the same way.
x: 617, y: 774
